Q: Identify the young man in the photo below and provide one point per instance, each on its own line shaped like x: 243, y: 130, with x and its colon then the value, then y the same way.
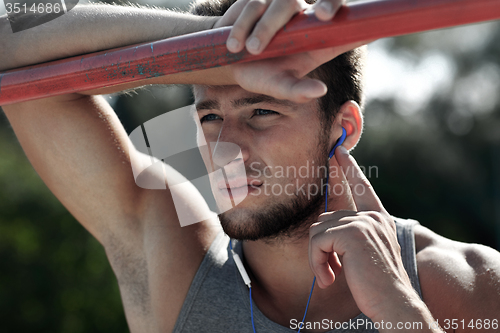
x: 184, y: 279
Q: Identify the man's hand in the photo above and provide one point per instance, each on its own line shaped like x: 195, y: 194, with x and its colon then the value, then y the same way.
x: 255, y: 22
x: 285, y: 77
x: 364, y: 245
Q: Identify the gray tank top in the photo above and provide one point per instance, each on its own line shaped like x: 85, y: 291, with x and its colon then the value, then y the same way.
x: 218, y: 300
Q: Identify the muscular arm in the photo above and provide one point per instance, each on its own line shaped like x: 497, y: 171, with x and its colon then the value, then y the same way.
x: 76, y: 142
x: 91, y: 28
x: 79, y: 148
x: 459, y: 281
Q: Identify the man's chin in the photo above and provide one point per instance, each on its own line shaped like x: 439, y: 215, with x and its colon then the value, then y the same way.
x: 272, y: 220
x: 239, y: 223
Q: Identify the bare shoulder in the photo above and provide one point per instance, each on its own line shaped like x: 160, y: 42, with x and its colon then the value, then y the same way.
x: 458, y: 280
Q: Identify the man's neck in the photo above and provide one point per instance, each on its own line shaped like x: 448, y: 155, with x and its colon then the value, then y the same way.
x: 282, y: 279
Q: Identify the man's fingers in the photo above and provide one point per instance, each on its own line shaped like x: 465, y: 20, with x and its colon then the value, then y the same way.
x: 324, y: 262
x: 302, y: 90
x: 363, y: 193
x: 284, y: 77
x: 267, y: 79
x: 329, y: 220
x: 288, y: 87
x: 275, y: 17
x: 321, y: 56
x: 232, y: 14
x: 244, y: 24
x: 325, y: 275
x: 321, y: 250
x: 326, y: 9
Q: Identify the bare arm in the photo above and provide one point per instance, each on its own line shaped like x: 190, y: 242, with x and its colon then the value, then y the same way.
x: 79, y: 148
x: 91, y: 28
x: 76, y: 143
x: 460, y: 282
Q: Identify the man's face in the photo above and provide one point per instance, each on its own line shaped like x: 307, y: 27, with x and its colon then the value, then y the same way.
x: 284, y: 151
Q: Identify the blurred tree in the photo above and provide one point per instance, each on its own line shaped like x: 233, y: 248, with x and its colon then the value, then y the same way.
x: 435, y: 141
x: 55, y: 276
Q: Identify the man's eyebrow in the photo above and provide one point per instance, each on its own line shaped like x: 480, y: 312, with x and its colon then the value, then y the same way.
x: 261, y: 99
x: 209, y: 104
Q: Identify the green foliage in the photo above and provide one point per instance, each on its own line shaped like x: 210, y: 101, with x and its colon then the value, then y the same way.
x: 440, y: 164
x: 55, y: 275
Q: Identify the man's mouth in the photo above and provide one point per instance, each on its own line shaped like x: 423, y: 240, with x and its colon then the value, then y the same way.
x: 238, y: 183
x: 237, y: 191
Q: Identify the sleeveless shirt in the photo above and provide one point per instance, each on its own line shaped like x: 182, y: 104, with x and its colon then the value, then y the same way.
x: 218, y: 299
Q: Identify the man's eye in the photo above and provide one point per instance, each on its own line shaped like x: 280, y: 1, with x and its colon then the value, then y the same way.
x: 210, y: 117
x: 263, y: 112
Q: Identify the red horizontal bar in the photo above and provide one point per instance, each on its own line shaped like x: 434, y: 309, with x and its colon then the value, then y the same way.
x: 357, y: 22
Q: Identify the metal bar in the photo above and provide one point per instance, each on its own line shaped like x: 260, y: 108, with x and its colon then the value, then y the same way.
x: 357, y: 22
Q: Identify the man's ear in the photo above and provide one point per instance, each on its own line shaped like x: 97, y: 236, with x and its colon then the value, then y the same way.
x: 351, y: 118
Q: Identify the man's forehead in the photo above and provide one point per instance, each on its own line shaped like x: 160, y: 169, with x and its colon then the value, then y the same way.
x: 211, y: 97
x: 202, y: 92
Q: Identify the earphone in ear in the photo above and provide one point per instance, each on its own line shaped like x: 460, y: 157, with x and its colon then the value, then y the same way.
x: 240, y: 266
x: 338, y: 143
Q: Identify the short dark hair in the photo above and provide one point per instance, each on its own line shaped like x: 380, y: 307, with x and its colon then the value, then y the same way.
x: 342, y: 75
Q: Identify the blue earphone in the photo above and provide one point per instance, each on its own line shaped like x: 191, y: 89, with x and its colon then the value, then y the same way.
x: 330, y: 155
x: 239, y: 263
x: 338, y: 143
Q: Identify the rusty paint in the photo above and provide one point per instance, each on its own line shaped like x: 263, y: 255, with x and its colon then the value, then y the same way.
x: 140, y: 69
x: 207, y: 49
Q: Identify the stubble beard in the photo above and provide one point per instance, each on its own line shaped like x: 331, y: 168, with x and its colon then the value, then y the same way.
x: 287, y: 219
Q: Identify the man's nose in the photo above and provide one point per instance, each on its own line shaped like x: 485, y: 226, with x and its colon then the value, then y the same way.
x: 231, y: 144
